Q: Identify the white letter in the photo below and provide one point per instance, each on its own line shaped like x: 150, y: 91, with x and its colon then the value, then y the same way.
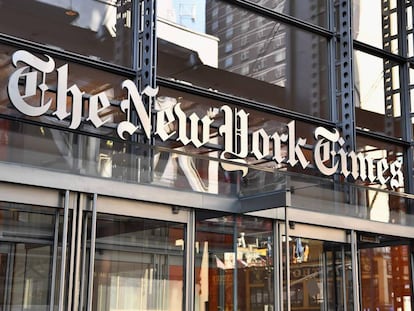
x: 62, y: 98
x: 94, y: 110
x: 30, y: 79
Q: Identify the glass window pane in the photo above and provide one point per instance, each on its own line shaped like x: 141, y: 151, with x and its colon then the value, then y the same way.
x: 411, y: 90
x: 253, y: 57
x: 378, y: 150
x: 199, y: 170
x: 50, y: 143
x: 410, y: 20
x: 81, y: 82
x: 375, y: 22
x: 320, y: 274
x: 386, y: 277
x: 99, y: 29
x: 377, y: 94
x: 26, y: 248
x: 139, y: 264
x: 233, y: 253
x: 314, y: 12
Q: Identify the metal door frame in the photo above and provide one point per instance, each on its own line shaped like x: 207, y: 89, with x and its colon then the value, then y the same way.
x: 95, y: 204
x: 290, y: 227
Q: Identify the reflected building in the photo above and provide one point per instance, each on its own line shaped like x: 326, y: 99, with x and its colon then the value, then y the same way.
x: 249, y: 45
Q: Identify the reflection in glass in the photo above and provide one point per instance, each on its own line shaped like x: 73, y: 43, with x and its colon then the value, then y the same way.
x: 232, y: 50
x: 411, y: 90
x: 26, y: 248
x: 320, y: 275
x: 377, y: 94
x: 99, y: 29
x: 377, y: 150
x: 385, y: 278
x: 139, y: 264
x: 233, y: 253
x: 375, y: 22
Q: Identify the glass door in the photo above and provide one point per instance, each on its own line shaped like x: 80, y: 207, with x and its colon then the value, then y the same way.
x: 385, y: 272
x: 27, y: 244
x: 234, y: 262
x: 134, y: 257
x: 317, y: 269
x: 30, y: 248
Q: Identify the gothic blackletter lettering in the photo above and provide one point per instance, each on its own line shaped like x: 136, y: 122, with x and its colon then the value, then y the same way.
x: 31, y: 83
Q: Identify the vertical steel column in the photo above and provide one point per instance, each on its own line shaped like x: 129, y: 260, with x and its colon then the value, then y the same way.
x: 145, y: 59
x: 346, y: 85
x: 402, y: 7
x: 147, y: 37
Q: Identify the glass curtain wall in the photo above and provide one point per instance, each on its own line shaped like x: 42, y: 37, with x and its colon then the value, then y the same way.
x: 381, y: 32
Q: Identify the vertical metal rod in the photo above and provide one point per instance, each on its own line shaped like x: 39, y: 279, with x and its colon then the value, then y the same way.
x: 9, y: 276
x: 277, y: 254
x: 77, y: 256
x: 54, y: 261
x: 83, y: 267
x: 287, y: 269
x: 344, y: 295
x: 324, y: 271
x: 189, y: 246
x: 334, y: 115
x: 235, y: 235
x: 412, y: 271
x: 92, y: 253
x: 72, y: 257
x: 355, y: 271
x: 64, y: 252
x: 405, y: 97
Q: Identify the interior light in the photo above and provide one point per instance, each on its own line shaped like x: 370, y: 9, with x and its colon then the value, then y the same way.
x: 71, y: 13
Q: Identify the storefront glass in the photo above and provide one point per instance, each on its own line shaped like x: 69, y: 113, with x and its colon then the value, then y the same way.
x: 234, y: 263
x: 98, y: 29
x: 27, y: 267
x: 232, y: 50
x: 320, y: 275
x: 139, y: 264
x: 386, y: 280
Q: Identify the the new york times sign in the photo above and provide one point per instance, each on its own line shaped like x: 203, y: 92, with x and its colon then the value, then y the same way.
x: 329, y: 156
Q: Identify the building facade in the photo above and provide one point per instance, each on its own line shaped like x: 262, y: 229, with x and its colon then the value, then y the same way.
x: 206, y: 155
